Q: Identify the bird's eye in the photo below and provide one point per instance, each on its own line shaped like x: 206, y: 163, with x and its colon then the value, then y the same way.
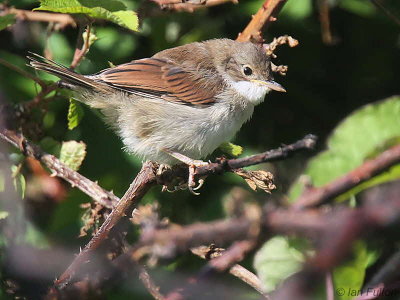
x: 247, y: 71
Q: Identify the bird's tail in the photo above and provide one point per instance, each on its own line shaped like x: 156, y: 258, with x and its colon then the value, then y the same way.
x: 66, y: 75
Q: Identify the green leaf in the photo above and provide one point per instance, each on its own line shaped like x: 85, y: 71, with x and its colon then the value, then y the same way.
x: 19, y: 180
x: 231, y: 149
x: 73, y: 153
x: 110, y: 10
x: 6, y: 21
x: 35, y: 237
x: 350, y: 275
x: 3, y: 214
x: 276, y: 260
x: 373, y: 127
x: 298, y: 9
x: 358, y: 7
x: 75, y: 114
x: 2, y: 182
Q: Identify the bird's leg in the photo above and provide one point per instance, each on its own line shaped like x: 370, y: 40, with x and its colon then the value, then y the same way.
x: 192, y: 163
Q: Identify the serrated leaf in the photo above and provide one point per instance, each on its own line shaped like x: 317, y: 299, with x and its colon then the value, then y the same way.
x: 72, y: 154
x: 353, y: 141
x: 277, y: 260
x: 231, y: 149
x: 75, y: 114
x: 110, y: 10
x: 6, y: 21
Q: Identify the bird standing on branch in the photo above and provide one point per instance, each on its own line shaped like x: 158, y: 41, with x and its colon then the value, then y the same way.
x: 181, y: 103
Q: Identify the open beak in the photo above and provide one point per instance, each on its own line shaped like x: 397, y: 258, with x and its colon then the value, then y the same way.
x: 271, y: 85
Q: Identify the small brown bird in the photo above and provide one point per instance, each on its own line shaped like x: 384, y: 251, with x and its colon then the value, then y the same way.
x: 179, y: 104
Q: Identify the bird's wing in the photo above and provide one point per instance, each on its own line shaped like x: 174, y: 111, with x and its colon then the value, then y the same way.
x: 159, y: 78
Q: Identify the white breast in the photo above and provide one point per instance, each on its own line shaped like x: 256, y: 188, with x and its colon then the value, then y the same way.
x: 252, y: 91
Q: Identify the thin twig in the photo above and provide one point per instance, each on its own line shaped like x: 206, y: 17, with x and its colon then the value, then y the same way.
x: 386, y: 11
x: 321, y: 195
x: 63, y: 20
x: 324, y: 19
x: 23, y: 73
x: 330, y: 292
x: 189, y: 5
x: 148, y: 282
x: 264, y: 16
x: 80, y: 53
x: 236, y: 270
x: 92, y: 189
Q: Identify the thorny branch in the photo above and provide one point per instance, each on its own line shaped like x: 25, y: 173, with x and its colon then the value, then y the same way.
x: 265, y: 16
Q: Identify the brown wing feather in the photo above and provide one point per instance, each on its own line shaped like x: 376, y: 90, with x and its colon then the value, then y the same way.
x: 155, y: 77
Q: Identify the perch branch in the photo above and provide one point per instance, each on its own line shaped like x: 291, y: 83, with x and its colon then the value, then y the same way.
x: 318, y: 196
x: 227, y: 165
x: 264, y: 16
x: 59, y: 169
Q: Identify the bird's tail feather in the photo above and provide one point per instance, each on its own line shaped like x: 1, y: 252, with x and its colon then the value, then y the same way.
x: 41, y: 63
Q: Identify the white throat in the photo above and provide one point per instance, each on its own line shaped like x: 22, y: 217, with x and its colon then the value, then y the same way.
x: 252, y: 91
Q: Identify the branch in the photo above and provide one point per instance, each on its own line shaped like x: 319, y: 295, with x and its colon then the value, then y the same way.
x: 190, y: 5
x: 228, y: 165
x: 80, y: 53
x: 92, y: 189
x: 318, y: 196
x: 148, y: 282
x: 265, y: 16
x: 63, y: 20
x: 23, y: 73
x: 138, y: 188
x: 236, y: 270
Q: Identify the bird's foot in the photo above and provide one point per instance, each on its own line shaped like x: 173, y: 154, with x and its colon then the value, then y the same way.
x: 193, y: 164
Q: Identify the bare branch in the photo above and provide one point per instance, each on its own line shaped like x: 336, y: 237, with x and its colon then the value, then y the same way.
x: 63, y: 20
x: 318, y: 196
x: 227, y: 165
x: 23, y: 72
x: 148, y: 282
x: 189, y: 5
x: 208, y: 252
x: 141, y: 184
x: 59, y: 169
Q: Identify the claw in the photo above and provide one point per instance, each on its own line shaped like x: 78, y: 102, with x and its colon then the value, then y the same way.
x: 192, y: 163
x: 201, y: 183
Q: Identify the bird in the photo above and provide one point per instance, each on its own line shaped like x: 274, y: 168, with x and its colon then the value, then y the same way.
x: 180, y: 104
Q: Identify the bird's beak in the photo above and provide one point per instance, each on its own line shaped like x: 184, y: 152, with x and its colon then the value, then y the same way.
x: 271, y: 85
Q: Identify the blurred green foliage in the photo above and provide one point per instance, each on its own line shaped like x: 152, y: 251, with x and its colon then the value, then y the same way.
x: 325, y: 83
